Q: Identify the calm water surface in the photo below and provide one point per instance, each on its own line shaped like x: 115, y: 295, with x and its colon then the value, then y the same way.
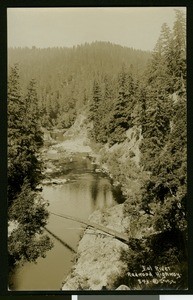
x: 84, y: 192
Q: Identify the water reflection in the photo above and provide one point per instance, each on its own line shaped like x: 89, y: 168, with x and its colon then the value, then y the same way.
x: 84, y: 192
x: 60, y: 240
x: 94, y: 191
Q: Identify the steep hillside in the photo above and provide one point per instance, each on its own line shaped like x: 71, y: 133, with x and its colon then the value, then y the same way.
x: 65, y: 76
x: 132, y: 112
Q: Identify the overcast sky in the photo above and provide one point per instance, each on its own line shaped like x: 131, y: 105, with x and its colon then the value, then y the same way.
x: 49, y: 27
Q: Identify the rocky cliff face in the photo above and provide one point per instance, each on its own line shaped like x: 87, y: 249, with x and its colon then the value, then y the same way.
x: 98, y: 262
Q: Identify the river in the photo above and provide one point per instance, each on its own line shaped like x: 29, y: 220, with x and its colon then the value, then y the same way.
x: 84, y: 192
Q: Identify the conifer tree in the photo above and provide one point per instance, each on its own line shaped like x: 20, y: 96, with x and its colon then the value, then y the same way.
x: 123, y: 106
x: 25, y: 206
x: 158, y: 72
x: 16, y: 108
x: 33, y: 136
x: 95, y: 109
x: 176, y: 55
x: 164, y: 134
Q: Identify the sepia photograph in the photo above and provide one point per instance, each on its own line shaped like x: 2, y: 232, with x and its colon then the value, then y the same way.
x: 97, y: 149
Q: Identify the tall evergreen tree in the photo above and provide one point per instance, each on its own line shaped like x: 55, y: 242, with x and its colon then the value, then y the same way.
x: 123, y: 106
x: 95, y: 109
x: 25, y: 206
x: 176, y: 56
x: 32, y: 136
x: 164, y: 132
x: 158, y: 72
x: 16, y: 110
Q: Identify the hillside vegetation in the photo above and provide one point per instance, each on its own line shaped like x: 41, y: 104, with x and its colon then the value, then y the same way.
x: 134, y: 108
x: 65, y: 76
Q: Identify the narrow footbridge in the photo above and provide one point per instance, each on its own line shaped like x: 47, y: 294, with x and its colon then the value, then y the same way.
x: 118, y: 235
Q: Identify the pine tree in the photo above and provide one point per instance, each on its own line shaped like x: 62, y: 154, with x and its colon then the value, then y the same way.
x: 158, y: 72
x: 24, y: 136
x: 95, y: 109
x: 25, y: 206
x: 176, y: 56
x: 16, y: 108
x: 15, y: 101
x: 32, y: 135
x: 105, y: 109
x: 123, y: 106
x: 164, y: 132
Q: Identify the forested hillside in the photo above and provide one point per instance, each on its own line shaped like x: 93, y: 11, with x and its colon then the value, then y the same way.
x: 65, y: 76
x: 121, y: 91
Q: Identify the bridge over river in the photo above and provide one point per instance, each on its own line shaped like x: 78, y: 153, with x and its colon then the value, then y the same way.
x: 118, y: 235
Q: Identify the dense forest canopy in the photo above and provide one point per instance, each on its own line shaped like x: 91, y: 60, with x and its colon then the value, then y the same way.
x: 65, y: 76
x: 117, y: 89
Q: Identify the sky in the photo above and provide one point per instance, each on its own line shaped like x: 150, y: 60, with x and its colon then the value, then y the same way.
x: 137, y: 27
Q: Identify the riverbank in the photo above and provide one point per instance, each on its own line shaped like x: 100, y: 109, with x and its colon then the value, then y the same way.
x: 99, y: 264
x: 103, y: 256
x: 101, y: 261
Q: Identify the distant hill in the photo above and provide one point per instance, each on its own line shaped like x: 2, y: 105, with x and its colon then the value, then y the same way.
x: 65, y: 76
x: 60, y: 66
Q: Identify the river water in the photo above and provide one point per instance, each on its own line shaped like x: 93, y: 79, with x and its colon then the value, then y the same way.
x: 84, y: 192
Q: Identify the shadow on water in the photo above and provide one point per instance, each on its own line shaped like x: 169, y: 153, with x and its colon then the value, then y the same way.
x: 94, y: 190
x: 105, y: 191
x: 59, y: 240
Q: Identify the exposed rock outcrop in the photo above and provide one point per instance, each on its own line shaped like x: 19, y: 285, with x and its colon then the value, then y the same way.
x: 98, y: 262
